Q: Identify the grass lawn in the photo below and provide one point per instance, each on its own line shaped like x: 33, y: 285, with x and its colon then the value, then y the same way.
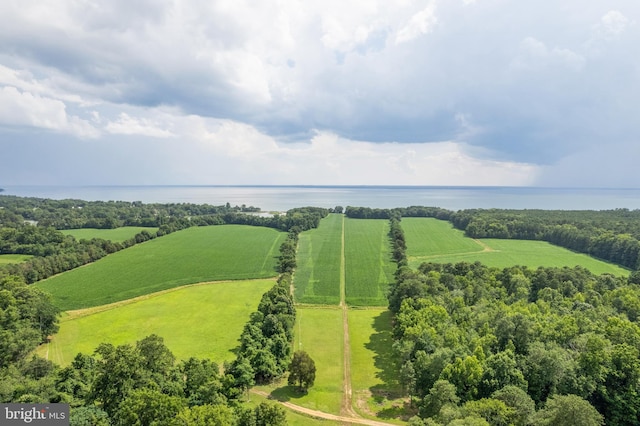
x: 317, y: 277
x: 369, y: 268
x: 294, y: 418
x: 6, y: 259
x: 492, y: 252
x: 374, y: 374
x: 115, y: 235
x: 203, y: 320
x: 201, y: 254
x: 319, y: 333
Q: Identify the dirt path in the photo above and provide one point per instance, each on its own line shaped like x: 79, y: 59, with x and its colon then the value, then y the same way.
x: 322, y: 415
x: 347, y: 392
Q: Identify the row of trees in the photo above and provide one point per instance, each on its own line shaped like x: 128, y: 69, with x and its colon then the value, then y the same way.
x: 516, y: 345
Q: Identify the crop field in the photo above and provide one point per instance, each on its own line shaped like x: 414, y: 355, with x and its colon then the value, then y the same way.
x: 368, y: 264
x: 116, y: 235
x: 317, y: 277
x: 492, y: 252
x: 203, y: 320
x: 433, y: 237
x: 6, y: 259
x: 201, y: 254
x: 374, y: 374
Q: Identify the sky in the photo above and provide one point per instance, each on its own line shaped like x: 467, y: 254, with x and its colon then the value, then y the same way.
x: 291, y: 92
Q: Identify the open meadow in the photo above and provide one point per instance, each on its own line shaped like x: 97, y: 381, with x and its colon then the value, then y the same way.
x: 318, y: 332
x: 116, y: 235
x: 202, y: 320
x: 433, y: 240
x: 368, y: 265
x: 317, y: 277
x: 199, y: 254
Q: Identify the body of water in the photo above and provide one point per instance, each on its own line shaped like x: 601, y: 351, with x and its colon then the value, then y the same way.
x: 280, y: 198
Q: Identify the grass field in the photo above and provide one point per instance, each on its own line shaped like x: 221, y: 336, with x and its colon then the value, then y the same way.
x: 203, y: 320
x: 433, y: 237
x: 374, y: 374
x: 212, y: 253
x: 319, y: 333
x: 115, y: 235
x: 492, y: 252
x: 317, y: 277
x: 368, y: 264
x: 6, y: 259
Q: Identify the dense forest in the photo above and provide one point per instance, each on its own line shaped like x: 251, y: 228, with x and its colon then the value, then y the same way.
x: 515, y: 346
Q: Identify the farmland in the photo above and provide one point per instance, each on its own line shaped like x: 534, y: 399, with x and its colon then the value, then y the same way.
x: 432, y: 240
x: 115, y: 235
x: 200, y: 320
x: 368, y: 265
x: 317, y: 277
x: 228, y: 252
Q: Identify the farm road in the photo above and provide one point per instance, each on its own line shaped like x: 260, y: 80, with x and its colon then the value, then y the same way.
x: 323, y: 415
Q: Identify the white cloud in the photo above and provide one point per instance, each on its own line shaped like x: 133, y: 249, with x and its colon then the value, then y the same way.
x: 26, y: 109
x: 421, y: 23
x: 127, y: 125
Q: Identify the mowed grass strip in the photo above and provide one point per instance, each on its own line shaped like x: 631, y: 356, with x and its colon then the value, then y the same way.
x: 116, y: 235
x: 369, y: 268
x: 203, y: 320
x: 317, y: 276
x: 200, y: 254
x: 434, y: 237
x: 6, y: 259
x: 374, y: 371
x: 319, y: 333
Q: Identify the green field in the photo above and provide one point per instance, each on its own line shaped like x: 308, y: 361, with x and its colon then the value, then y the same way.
x: 319, y: 333
x: 227, y: 252
x: 374, y: 374
x: 317, y: 277
x: 6, y: 259
x: 433, y: 237
x: 203, y: 321
x: 438, y: 242
x: 115, y: 235
x: 368, y: 264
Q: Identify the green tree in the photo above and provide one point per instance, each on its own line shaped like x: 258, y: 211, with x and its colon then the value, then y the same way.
x: 205, y: 415
x: 440, y: 395
x: 302, y: 371
x: 270, y: 414
x: 146, y: 407
x: 562, y: 410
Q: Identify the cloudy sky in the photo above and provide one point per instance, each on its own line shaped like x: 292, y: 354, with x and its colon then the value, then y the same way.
x: 439, y: 92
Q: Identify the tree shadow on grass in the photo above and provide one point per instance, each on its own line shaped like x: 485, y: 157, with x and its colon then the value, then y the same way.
x: 381, y: 343
x: 286, y: 393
